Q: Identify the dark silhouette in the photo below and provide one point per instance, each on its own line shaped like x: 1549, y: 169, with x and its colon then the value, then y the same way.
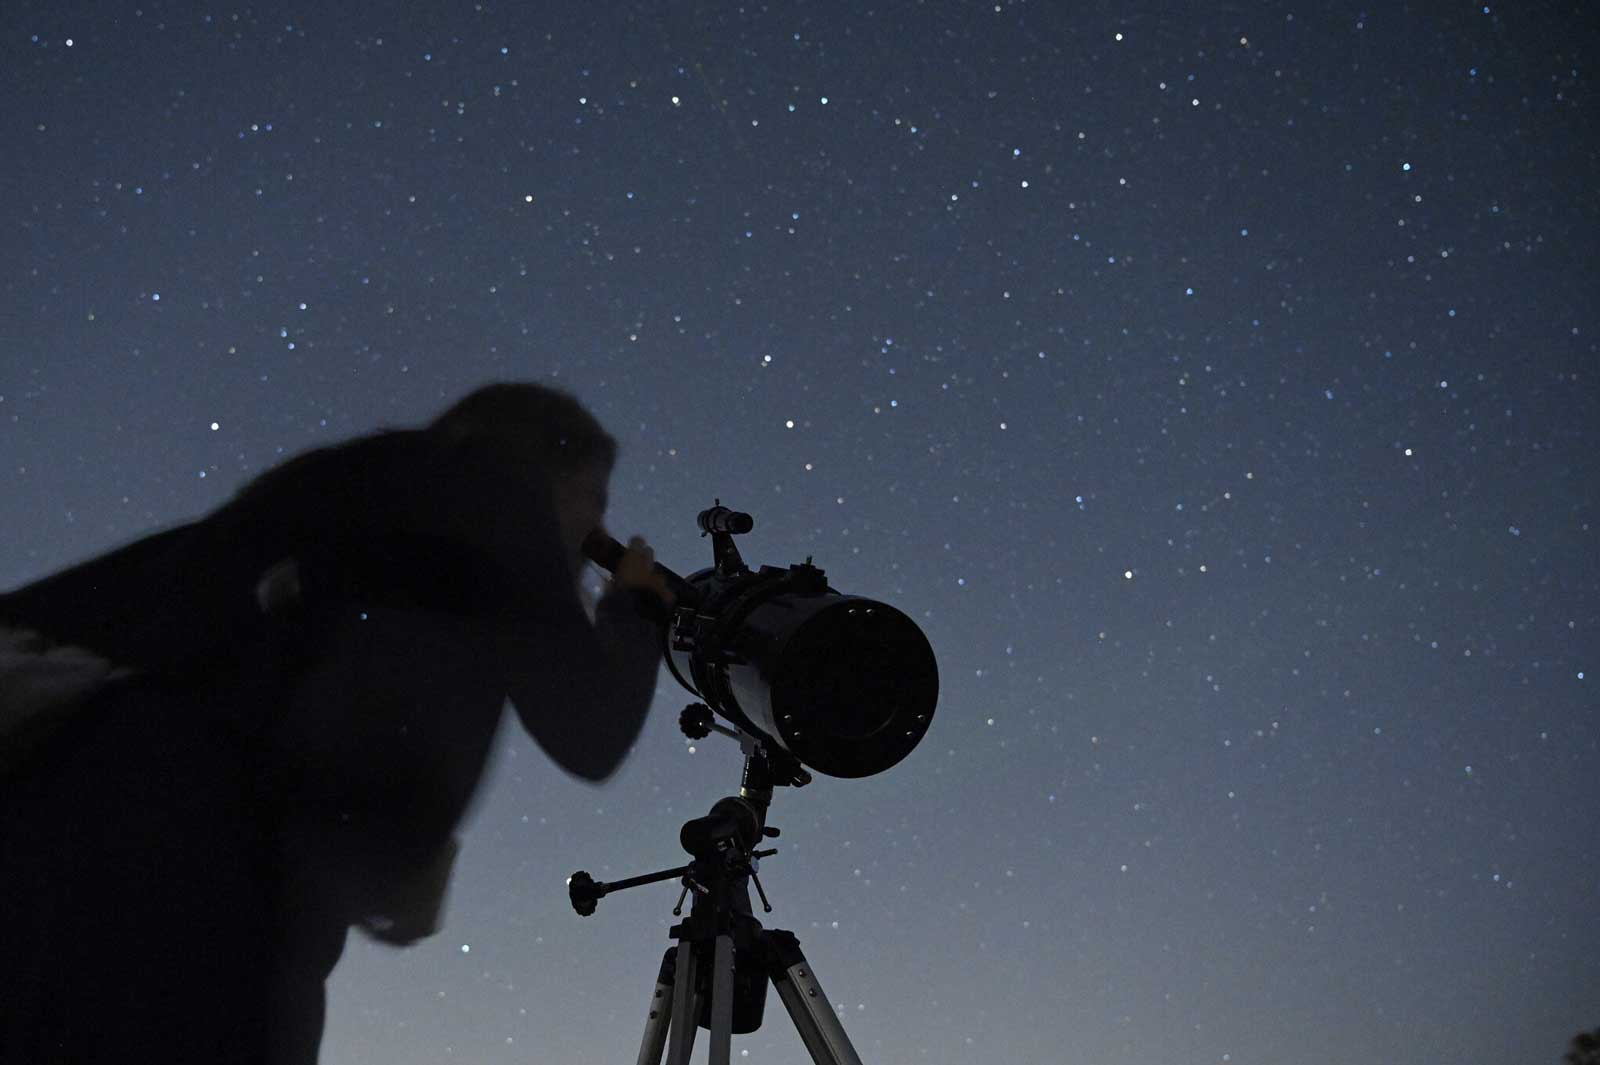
x: 227, y: 743
x: 1585, y: 1049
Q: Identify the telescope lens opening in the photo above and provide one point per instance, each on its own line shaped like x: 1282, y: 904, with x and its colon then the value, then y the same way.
x: 858, y: 688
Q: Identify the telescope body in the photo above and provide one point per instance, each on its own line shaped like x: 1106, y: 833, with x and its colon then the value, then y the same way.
x: 845, y: 684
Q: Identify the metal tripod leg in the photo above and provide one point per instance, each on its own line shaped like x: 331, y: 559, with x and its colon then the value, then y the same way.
x: 678, y: 980
x: 722, y: 1002
x: 685, y: 1005
x: 808, y: 1007
x: 655, y: 1025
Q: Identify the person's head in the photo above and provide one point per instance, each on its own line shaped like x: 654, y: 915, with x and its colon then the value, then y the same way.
x: 552, y: 428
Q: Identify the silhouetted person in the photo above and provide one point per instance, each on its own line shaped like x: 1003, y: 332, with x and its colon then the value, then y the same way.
x: 226, y: 743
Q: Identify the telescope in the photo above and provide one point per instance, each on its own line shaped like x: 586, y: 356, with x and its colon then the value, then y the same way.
x: 841, y: 683
x: 805, y: 676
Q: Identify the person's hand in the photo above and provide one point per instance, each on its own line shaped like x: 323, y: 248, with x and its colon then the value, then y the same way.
x: 637, y: 570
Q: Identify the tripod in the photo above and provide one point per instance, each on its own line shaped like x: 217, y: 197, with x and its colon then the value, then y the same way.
x: 716, y: 975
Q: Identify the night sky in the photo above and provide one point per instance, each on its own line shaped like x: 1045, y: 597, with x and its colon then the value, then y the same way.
x: 1215, y: 388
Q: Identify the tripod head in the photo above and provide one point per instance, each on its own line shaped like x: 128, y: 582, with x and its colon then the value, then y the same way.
x: 722, y: 842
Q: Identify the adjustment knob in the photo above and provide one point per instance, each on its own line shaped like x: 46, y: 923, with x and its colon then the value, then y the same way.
x: 695, y: 721
x: 583, y: 892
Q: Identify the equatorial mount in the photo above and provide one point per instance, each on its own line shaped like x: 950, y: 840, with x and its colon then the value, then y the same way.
x: 722, y: 842
x: 716, y: 975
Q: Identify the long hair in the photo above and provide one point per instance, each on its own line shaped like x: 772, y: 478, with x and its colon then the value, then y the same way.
x: 548, y: 422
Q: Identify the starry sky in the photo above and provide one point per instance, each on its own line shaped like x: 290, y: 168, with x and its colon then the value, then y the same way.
x: 1214, y: 385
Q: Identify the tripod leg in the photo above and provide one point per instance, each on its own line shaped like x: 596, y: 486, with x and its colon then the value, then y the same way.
x: 685, y: 1006
x: 808, y: 1007
x: 722, y: 1002
x: 655, y: 1025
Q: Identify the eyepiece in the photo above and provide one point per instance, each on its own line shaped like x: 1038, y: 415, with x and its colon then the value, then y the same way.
x: 720, y: 519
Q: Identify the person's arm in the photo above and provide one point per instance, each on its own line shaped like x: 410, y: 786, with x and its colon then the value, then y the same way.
x: 461, y: 528
x: 582, y: 693
x: 398, y: 518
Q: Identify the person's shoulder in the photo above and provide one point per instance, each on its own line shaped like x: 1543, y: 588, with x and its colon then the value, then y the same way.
x: 376, y: 444
x: 421, y: 465
x: 359, y: 457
